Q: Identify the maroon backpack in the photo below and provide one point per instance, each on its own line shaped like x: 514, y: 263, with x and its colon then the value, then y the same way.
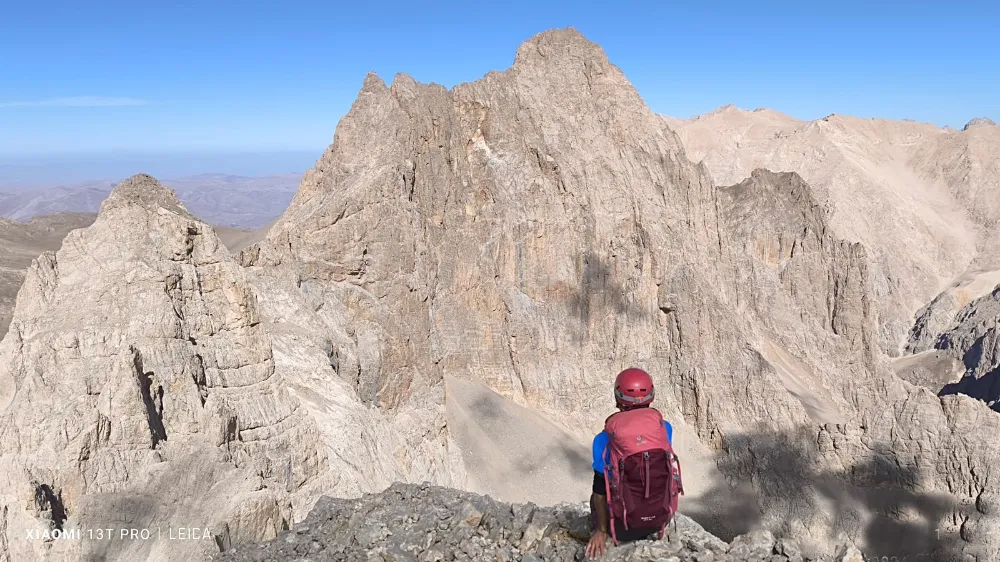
x: 643, y: 475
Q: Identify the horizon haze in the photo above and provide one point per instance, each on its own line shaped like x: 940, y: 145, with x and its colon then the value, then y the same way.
x: 76, y: 83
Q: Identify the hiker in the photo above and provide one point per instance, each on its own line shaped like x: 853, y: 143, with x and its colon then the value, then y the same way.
x: 637, y: 477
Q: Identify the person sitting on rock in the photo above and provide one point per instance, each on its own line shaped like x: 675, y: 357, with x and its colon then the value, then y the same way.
x: 637, y: 477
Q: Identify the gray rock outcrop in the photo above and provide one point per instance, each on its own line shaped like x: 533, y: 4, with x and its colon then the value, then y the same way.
x: 974, y: 339
x: 977, y: 122
x: 414, y: 522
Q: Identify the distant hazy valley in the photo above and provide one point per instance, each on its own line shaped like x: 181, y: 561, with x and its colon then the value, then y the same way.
x: 218, y: 199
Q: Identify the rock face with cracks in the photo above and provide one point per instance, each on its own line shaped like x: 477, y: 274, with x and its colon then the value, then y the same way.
x: 139, y: 388
x: 470, y: 256
x: 22, y: 242
x: 921, y: 199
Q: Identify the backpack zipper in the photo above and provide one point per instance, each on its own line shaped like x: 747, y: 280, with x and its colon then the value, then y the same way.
x: 645, y: 460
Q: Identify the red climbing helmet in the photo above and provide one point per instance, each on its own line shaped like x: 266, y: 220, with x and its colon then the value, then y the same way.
x: 633, y: 387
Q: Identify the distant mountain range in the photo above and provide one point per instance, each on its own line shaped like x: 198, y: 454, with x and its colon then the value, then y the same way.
x: 224, y: 200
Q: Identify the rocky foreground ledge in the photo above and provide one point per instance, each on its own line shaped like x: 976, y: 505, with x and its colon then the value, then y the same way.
x: 426, y: 523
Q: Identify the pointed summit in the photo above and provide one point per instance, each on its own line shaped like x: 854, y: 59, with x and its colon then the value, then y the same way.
x: 144, y: 190
x: 726, y: 110
x: 558, y: 46
x: 978, y: 122
x: 373, y: 83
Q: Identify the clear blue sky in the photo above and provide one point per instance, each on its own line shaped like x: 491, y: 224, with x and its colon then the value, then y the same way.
x: 209, y: 76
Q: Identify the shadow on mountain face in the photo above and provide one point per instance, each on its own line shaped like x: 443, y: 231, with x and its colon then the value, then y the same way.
x: 985, y: 388
x: 600, y: 294
x: 874, y: 500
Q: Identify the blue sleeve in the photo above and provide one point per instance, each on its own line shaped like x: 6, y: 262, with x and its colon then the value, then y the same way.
x: 670, y: 431
x: 599, y: 449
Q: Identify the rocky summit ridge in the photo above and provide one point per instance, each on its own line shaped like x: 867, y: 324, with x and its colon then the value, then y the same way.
x: 426, y: 523
x: 977, y: 122
x: 447, y: 299
x: 920, y: 199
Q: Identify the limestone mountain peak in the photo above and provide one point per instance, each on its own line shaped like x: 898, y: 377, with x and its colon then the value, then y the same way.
x: 552, y: 45
x: 146, y: 191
